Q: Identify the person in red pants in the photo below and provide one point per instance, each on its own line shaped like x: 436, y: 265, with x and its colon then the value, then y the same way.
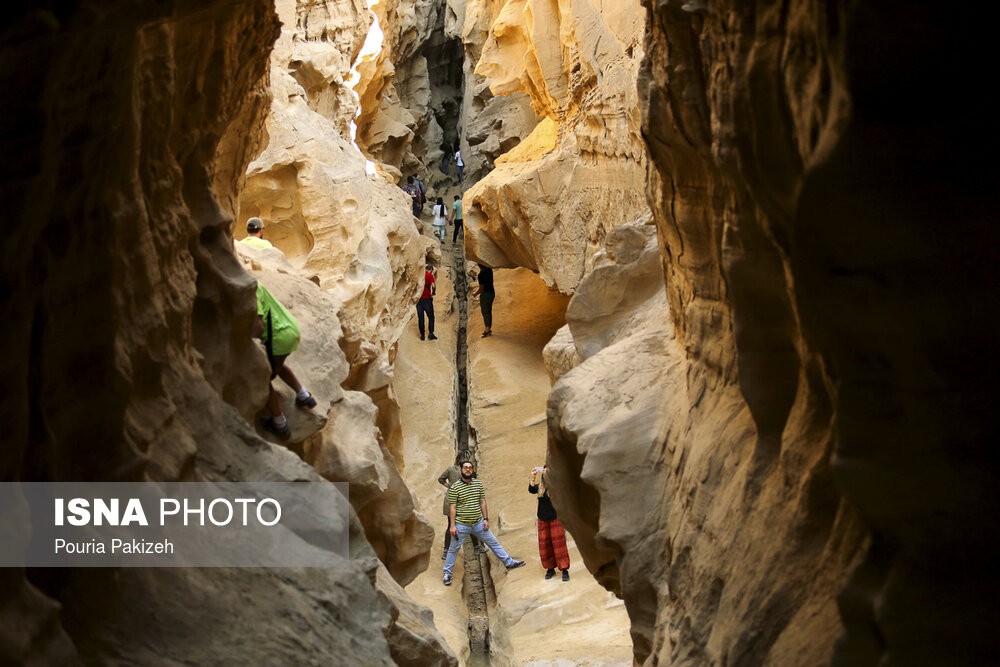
x: 551, y: 536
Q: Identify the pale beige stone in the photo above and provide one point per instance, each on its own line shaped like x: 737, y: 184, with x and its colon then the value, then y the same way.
x: 581, y: 171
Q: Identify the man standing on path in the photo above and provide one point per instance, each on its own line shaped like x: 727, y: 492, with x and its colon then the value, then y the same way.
x: 426, y: 304
x: 459, y: 165
x: 255, y: 234
x: 486, y: 295
x: 456, y: 218
x: 551, y: 536
x: 467, y: 514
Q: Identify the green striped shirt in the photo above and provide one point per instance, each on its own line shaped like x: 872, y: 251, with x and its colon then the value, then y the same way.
x: 466, y: 499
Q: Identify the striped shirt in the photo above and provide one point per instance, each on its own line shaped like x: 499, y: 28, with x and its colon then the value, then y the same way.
x: 466, y: 497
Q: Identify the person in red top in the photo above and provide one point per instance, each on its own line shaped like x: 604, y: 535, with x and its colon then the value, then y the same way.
x: 426, y: 305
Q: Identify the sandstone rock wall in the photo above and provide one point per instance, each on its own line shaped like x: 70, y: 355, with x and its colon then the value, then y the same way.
x: 410, y: 92
x: 130, y: 349
x: 354, y: 235
x: 581, y: 171
x: 768, y: 457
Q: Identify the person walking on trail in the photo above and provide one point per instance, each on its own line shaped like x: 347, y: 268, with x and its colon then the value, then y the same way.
x: 456, y: 218
x: 551, y: 536
x: 486, y: 295
x: 423, y: 191
x: 468, y: 515
x: 440, y: 219
x: 459, y: 165
x: 426, y: 304
x: 255, y: 234
x: 279, y: 330
x: 451, y: 475
x: 445, y: 158
x: 414, y: 193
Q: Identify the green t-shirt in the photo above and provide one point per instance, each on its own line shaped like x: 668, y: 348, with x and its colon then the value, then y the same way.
x: 457, y: 206
x: 284, y: 327
x: 255, y: 242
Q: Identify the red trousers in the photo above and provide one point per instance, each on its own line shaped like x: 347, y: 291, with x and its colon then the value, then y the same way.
x: 552, y: 545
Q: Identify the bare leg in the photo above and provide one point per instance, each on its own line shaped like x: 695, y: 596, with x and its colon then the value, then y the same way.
x: 286, y: 374
x: 273, y: 404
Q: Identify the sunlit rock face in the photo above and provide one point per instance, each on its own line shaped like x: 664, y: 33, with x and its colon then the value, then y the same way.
x: 580, y: 172
x: 791, y: 469
x: 355, y: 236
x: 130, y: 348
x: 410, y: 92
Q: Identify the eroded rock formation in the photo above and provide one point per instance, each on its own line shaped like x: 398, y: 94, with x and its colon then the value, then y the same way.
x: 355, y: 236
x: 580, y: 172
x: 410, y: 92
x: 131, y: 356
x: 781, y: 458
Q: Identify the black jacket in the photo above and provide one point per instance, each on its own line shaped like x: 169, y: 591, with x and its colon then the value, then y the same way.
x: 546, y: 512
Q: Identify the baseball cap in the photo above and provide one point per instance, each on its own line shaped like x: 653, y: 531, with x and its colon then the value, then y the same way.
x: 255, y: 225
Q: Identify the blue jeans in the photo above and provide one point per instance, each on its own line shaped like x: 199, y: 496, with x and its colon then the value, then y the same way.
x: 485, y: 535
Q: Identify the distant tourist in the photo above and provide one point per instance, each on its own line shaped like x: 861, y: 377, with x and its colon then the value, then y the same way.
x: 468, y: 515
x: 551, y: 536
x: 426, y: 304
x: 279, y: 330
x: 445, y: 158
x: 486, y: 295
x: 414, y: 193
x: 459, y: 165
x: 440, y: 219
x: 423, y: 192
x: 447, y: 478
x: 255, y: 234
x: 456, y: 218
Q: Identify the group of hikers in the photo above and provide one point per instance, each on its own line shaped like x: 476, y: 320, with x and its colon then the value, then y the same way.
x: 468, y: 514
x: 465, y: 500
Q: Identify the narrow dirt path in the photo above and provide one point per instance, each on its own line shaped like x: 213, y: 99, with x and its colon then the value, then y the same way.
x: 532, y: 621
x: 536, y: 621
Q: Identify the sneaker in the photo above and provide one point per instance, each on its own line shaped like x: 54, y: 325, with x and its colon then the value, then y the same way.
x: 486, y: 334
x: 432, y: 337
x: 444, y: 556
x: 549, y: 574
x: 516, y: 564
x: 306, y: 401
x: 421, y: 336
x: 565, y: 575
x: 447, y: 579
x: 283, y: 432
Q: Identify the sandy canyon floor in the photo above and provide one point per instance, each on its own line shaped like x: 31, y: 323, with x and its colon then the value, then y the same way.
x: 535, y: 622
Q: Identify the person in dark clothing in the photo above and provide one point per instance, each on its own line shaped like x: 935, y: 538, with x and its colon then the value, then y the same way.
x: 486, y: 295
x: 456, y: 218
x: 426, y: 304
x: 551, y: 536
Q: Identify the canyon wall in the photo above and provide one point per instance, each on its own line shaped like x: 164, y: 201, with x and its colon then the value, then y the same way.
x: 780, y: 457
x: 580, y: 172
x: 353, y: 235
x: 131, y: 352
x: 411, y: 91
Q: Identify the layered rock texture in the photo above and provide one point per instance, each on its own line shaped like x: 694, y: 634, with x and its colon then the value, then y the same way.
x: 131, y: 355
x: 580, y: 172
x: 355, y: 237
x: 780, y: 458
x: 411, y: 91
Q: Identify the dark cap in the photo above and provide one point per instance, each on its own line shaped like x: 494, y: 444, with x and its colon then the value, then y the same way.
x: 255, y: 225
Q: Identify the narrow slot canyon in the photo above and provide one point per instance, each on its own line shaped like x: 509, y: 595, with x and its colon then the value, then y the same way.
x: 741, y: 257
